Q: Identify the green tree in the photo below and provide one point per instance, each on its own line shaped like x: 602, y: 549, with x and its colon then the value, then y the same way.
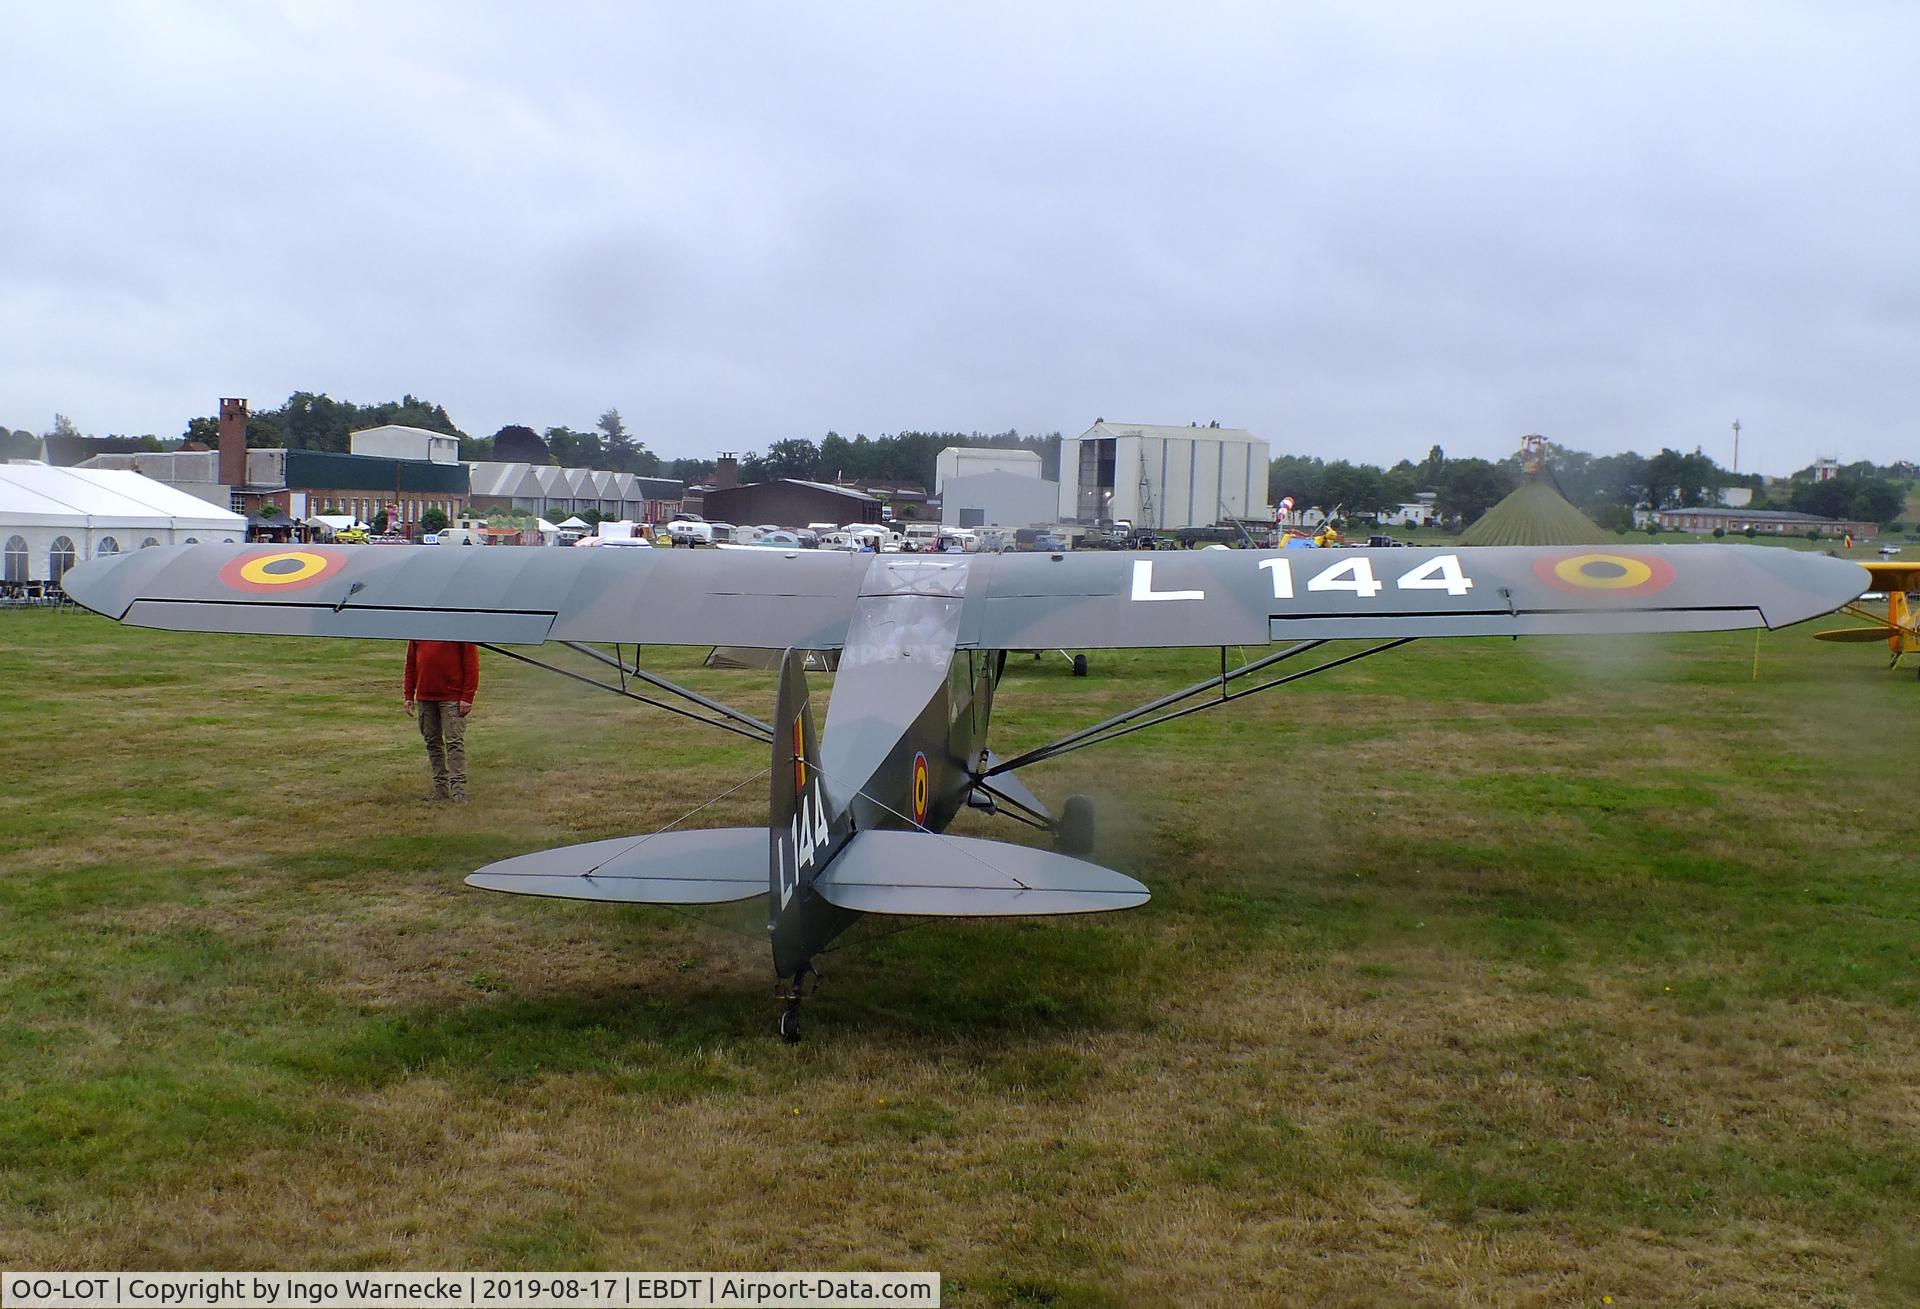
x: 62, y: 426
x: 433, y: 520
x: 315, y: 421
x: 1470, y: 487
x: 516, y: 443
x: 621, y: 449
x: 1359, y: 489
x: 1850, y: 495
x: 1674, y: 480
x: 1401, y: 482
x: 1294, y: 475
x: 573, y: 449
x: 691, y: 471
x: 794, y: 457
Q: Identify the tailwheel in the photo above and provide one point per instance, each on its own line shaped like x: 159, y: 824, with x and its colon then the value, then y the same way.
x: 1073, y: 834
x: 793, y: 994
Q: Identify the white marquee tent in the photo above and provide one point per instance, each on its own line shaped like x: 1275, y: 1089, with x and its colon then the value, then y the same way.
x: 53, y: 518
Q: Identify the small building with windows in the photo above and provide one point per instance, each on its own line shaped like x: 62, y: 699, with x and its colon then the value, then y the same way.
x: 1703, y: 520
x: 53, y: 518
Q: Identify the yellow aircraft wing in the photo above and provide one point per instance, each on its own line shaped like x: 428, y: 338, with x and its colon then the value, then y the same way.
x: 1894, y: 576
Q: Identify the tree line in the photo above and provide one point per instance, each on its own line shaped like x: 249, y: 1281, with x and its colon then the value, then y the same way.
x: 315, y: 421
x: 1606, y: 487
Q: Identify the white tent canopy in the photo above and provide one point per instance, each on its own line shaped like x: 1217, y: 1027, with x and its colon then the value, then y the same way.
x: 53, y: 518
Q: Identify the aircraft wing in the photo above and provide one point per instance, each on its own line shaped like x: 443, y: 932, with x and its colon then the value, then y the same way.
x: 1097, y: 600
x: 496, y: 594
x: 1894, y: 576
x: 1077, y: 600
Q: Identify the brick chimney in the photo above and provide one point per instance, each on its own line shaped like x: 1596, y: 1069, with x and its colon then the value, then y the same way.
x: 726, y: 471
x: 233, y: 442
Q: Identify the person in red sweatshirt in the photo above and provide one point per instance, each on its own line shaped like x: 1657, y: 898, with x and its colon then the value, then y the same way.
x: 442, y: 677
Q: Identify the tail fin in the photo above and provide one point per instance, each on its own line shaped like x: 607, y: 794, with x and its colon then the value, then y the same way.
x: 806, y: 831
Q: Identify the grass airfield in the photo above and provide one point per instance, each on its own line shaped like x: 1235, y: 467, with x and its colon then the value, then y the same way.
x: 1483, y: 972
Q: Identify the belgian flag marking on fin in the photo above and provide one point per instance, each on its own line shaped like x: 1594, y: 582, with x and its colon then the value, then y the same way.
x: 919, y: 788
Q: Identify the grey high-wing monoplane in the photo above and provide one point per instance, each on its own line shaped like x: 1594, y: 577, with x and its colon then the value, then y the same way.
x: 857, y: 818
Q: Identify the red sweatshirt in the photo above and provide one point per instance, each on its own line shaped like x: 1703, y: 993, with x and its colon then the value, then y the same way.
x: 442, y: 670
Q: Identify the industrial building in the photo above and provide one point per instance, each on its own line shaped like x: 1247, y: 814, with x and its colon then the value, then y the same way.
x: 305, y: 483
x: 398, y: 441
x: 555, y: 493
x: 1163, y: 477
x: 972, y: 460
x: 999, y: 499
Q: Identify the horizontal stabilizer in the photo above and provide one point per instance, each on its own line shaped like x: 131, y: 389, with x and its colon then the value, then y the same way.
x: 915, y: 873
x: 700, y: 867
x: 1856, y: 635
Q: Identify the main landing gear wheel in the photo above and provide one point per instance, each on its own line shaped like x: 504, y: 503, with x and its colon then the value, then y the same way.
x: 790, y: 1024
x: 1079, y: 665
x: 1073, y: 834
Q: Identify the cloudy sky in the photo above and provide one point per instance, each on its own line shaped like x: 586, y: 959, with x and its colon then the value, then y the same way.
x: 1355, y: 229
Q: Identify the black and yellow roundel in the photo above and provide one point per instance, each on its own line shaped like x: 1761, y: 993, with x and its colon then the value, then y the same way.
x: 919, y: 787
x: 1596, y: 570
x: 281, y: 570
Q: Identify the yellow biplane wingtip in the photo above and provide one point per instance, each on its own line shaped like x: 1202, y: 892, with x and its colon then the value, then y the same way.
x: 1855, y: 635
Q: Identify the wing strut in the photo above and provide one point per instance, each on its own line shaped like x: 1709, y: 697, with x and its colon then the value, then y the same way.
x: 616, y: 660
x: 741, y: 725
x: 1149, y: 715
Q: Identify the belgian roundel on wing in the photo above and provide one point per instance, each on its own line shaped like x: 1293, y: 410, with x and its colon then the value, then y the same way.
x: 281, y: 570
x: 1593, y: 570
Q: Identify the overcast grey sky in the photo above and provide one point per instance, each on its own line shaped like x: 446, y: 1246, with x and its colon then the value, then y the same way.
x: 1356, y: 230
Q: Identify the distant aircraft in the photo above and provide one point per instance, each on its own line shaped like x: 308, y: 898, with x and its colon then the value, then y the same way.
x: 856, y: 821
x: 1899, y: 626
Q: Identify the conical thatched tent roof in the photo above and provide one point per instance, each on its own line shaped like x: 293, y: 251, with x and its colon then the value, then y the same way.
x: 1536, y: 514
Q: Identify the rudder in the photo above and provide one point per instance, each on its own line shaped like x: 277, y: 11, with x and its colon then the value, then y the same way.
x: 805, y: 828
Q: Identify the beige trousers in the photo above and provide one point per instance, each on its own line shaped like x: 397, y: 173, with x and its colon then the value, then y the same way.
x: 445, y: 730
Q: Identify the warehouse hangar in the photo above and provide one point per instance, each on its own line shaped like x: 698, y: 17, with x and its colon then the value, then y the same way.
x: 1163, y: 477
x: 790, y: 502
